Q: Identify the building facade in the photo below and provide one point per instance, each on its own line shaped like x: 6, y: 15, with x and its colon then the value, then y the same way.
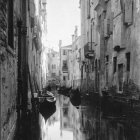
x: 53, y: 67
x: 108, y: 51
x: 65, y: 52
x: 20, y: 57
x: 110, y: 62
x: 75, y: 59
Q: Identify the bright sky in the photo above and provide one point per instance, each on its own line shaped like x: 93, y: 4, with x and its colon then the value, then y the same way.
x: 62, y: 17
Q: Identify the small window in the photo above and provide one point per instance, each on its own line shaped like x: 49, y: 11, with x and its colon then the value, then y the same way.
x: 120, y: 77
x: 65, y: 111
x: 65, y: 124
x: 64, y: 63
x: 114, y: 64
x: 53, y: 74
x: 64, y: 52
x: 107, y: 59
x: 128, y: 61
x: 64, y: 78
x: 99, y: 65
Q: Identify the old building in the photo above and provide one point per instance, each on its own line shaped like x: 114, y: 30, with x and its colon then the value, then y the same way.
x: 20, y: 57
x: 108, y: 31
x: 64, y: 68
x: 53, y: 67
x: 89, y: 43
x: 75, y: 60
x: 110, y: 59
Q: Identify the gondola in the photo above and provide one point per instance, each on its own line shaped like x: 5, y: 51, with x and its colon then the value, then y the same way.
x: 47, y: 105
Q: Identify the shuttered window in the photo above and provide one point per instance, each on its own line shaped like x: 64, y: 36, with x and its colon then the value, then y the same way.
x: 111, y: 23
x: 106, y: 28
x: 128, y: 13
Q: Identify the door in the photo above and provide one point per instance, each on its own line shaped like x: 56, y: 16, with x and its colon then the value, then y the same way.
x: 120, y: 77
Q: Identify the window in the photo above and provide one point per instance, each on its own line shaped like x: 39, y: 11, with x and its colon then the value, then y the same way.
x: 88, y: 9
x: 114, y: 64
x: 107, y: 59
x: 53, y: 74
x: 128, y: 61
x: 120, y: 76
x: 64, y: 78
x: 65, y: 124
x: 82, y: 72
x: 128, y: 12
x: 64, y: 63
x: 10, y: 23
x: 107, y: 69
x: 99, y: 65
x: 64, y: 52
x: 65, y: 111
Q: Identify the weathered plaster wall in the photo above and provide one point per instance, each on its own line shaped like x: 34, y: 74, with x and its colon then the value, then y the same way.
x: 127, y: 37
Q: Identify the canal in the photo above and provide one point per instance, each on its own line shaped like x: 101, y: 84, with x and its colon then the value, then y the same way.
x: 89, y: 121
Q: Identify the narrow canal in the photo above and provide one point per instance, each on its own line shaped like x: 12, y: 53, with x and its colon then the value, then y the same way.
x: 88, y: 122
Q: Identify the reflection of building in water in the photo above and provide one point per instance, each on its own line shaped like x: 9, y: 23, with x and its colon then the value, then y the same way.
x: 75, y: 120
x: 87, y: 121
x: 65, y: 116
x: 70, y: 118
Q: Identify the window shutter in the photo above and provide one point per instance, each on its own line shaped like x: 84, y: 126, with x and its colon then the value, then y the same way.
x: 111, y: 23
x: 117, y: 31
x: 106, y: 28
x: 128, y: 17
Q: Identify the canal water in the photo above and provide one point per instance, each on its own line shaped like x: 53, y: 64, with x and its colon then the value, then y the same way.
x: 88, y: 122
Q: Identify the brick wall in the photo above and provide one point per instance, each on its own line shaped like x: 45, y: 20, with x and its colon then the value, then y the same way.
x: 8, y: 86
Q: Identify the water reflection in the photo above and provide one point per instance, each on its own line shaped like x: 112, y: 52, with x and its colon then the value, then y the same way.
x: 88, y: 122
x: 58, y: 125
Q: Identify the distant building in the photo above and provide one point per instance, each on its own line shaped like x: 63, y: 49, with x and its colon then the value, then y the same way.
x: 53, y: 66
x: 64, y: 68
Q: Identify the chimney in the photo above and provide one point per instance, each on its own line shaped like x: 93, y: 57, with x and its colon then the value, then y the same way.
x: 73, y: 38
x: 60, y: 43
x: 76, y: 31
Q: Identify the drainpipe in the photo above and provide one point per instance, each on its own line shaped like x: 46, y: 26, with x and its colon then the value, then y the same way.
x: 19, y: 92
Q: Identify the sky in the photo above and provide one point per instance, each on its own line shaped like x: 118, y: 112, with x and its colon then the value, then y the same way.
x: 62, y: 17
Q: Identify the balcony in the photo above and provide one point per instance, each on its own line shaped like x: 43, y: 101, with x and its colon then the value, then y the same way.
x: 88, y: 50
x: 65, y: 69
